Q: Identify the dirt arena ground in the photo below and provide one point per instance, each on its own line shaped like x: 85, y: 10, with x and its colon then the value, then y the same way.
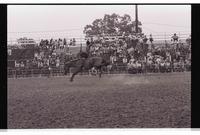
x: 114, y: 101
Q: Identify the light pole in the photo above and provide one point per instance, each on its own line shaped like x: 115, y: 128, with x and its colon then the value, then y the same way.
x: 136, y: 19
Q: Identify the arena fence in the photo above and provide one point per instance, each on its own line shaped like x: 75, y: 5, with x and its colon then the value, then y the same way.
x: 22, y: 73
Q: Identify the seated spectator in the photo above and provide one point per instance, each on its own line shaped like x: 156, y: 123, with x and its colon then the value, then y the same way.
x: 125, y: 60
x: 138, y: 65
x: 134, y: 65
x: 132, y: 60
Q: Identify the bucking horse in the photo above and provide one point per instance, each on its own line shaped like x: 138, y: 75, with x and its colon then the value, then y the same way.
x: 85, y: 63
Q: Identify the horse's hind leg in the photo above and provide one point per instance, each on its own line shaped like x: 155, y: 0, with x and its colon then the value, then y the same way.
x: 76, y: 72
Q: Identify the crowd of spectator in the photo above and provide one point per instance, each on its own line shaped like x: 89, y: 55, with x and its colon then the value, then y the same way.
x: 51, y: 54
x: 137, y: 53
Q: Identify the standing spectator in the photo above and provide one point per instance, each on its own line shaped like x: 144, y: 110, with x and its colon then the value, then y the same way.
x: 112, y: 59
x: 74, y: 42
x: 151, y: 38
x: 28, y: 64
x: 22, y: 65
x: 188, y: 40
x: 70, y: 42
x: 9, y: 52
x: 17, y: 65
x: 64, y: 42
x: 134, y: 42
x: 61, y: 44
x: 132, y: 60
x: 88, y: 45
x: 124, y: 60
x: 175, y: 38
x: 151, y: 41
x: 57, y: 62
x: 145, y: 39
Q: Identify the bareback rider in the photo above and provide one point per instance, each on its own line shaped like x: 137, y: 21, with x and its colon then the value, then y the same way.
x: 84, y: 55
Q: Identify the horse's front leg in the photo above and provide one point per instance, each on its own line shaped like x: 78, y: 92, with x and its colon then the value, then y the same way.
x: 76, y: 72
x: 66, y: 71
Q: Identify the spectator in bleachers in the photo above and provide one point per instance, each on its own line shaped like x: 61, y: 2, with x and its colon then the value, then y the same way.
x: 57, y: 62
x: 125, y: 60
x: 120, y: 51
x: 188, y: 40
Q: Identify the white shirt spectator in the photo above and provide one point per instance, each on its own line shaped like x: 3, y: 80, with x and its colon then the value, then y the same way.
x: 124, y: 60
x: 57, y: 62
x: 158, y: 60
x: 48, y: 62
x: 134, y: 65
x: 132, y: 60
x: 17, y: 64
x: 162, y: 63
x: 112, y: 59
x: 167, y: 63
x: 9, y: 52
x: 138, y: 65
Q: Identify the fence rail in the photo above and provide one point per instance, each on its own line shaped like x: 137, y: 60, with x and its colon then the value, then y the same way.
x: 22, y: 73
x: 17, y: 73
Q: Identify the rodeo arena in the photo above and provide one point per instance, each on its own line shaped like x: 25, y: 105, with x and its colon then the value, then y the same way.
x: 118, y: 80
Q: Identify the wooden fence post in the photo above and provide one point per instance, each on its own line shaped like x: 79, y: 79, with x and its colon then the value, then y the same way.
x: 32, y: 73
x: 14, y: 75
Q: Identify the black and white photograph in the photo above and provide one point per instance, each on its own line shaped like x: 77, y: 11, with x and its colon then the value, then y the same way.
x: 98, y: 66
